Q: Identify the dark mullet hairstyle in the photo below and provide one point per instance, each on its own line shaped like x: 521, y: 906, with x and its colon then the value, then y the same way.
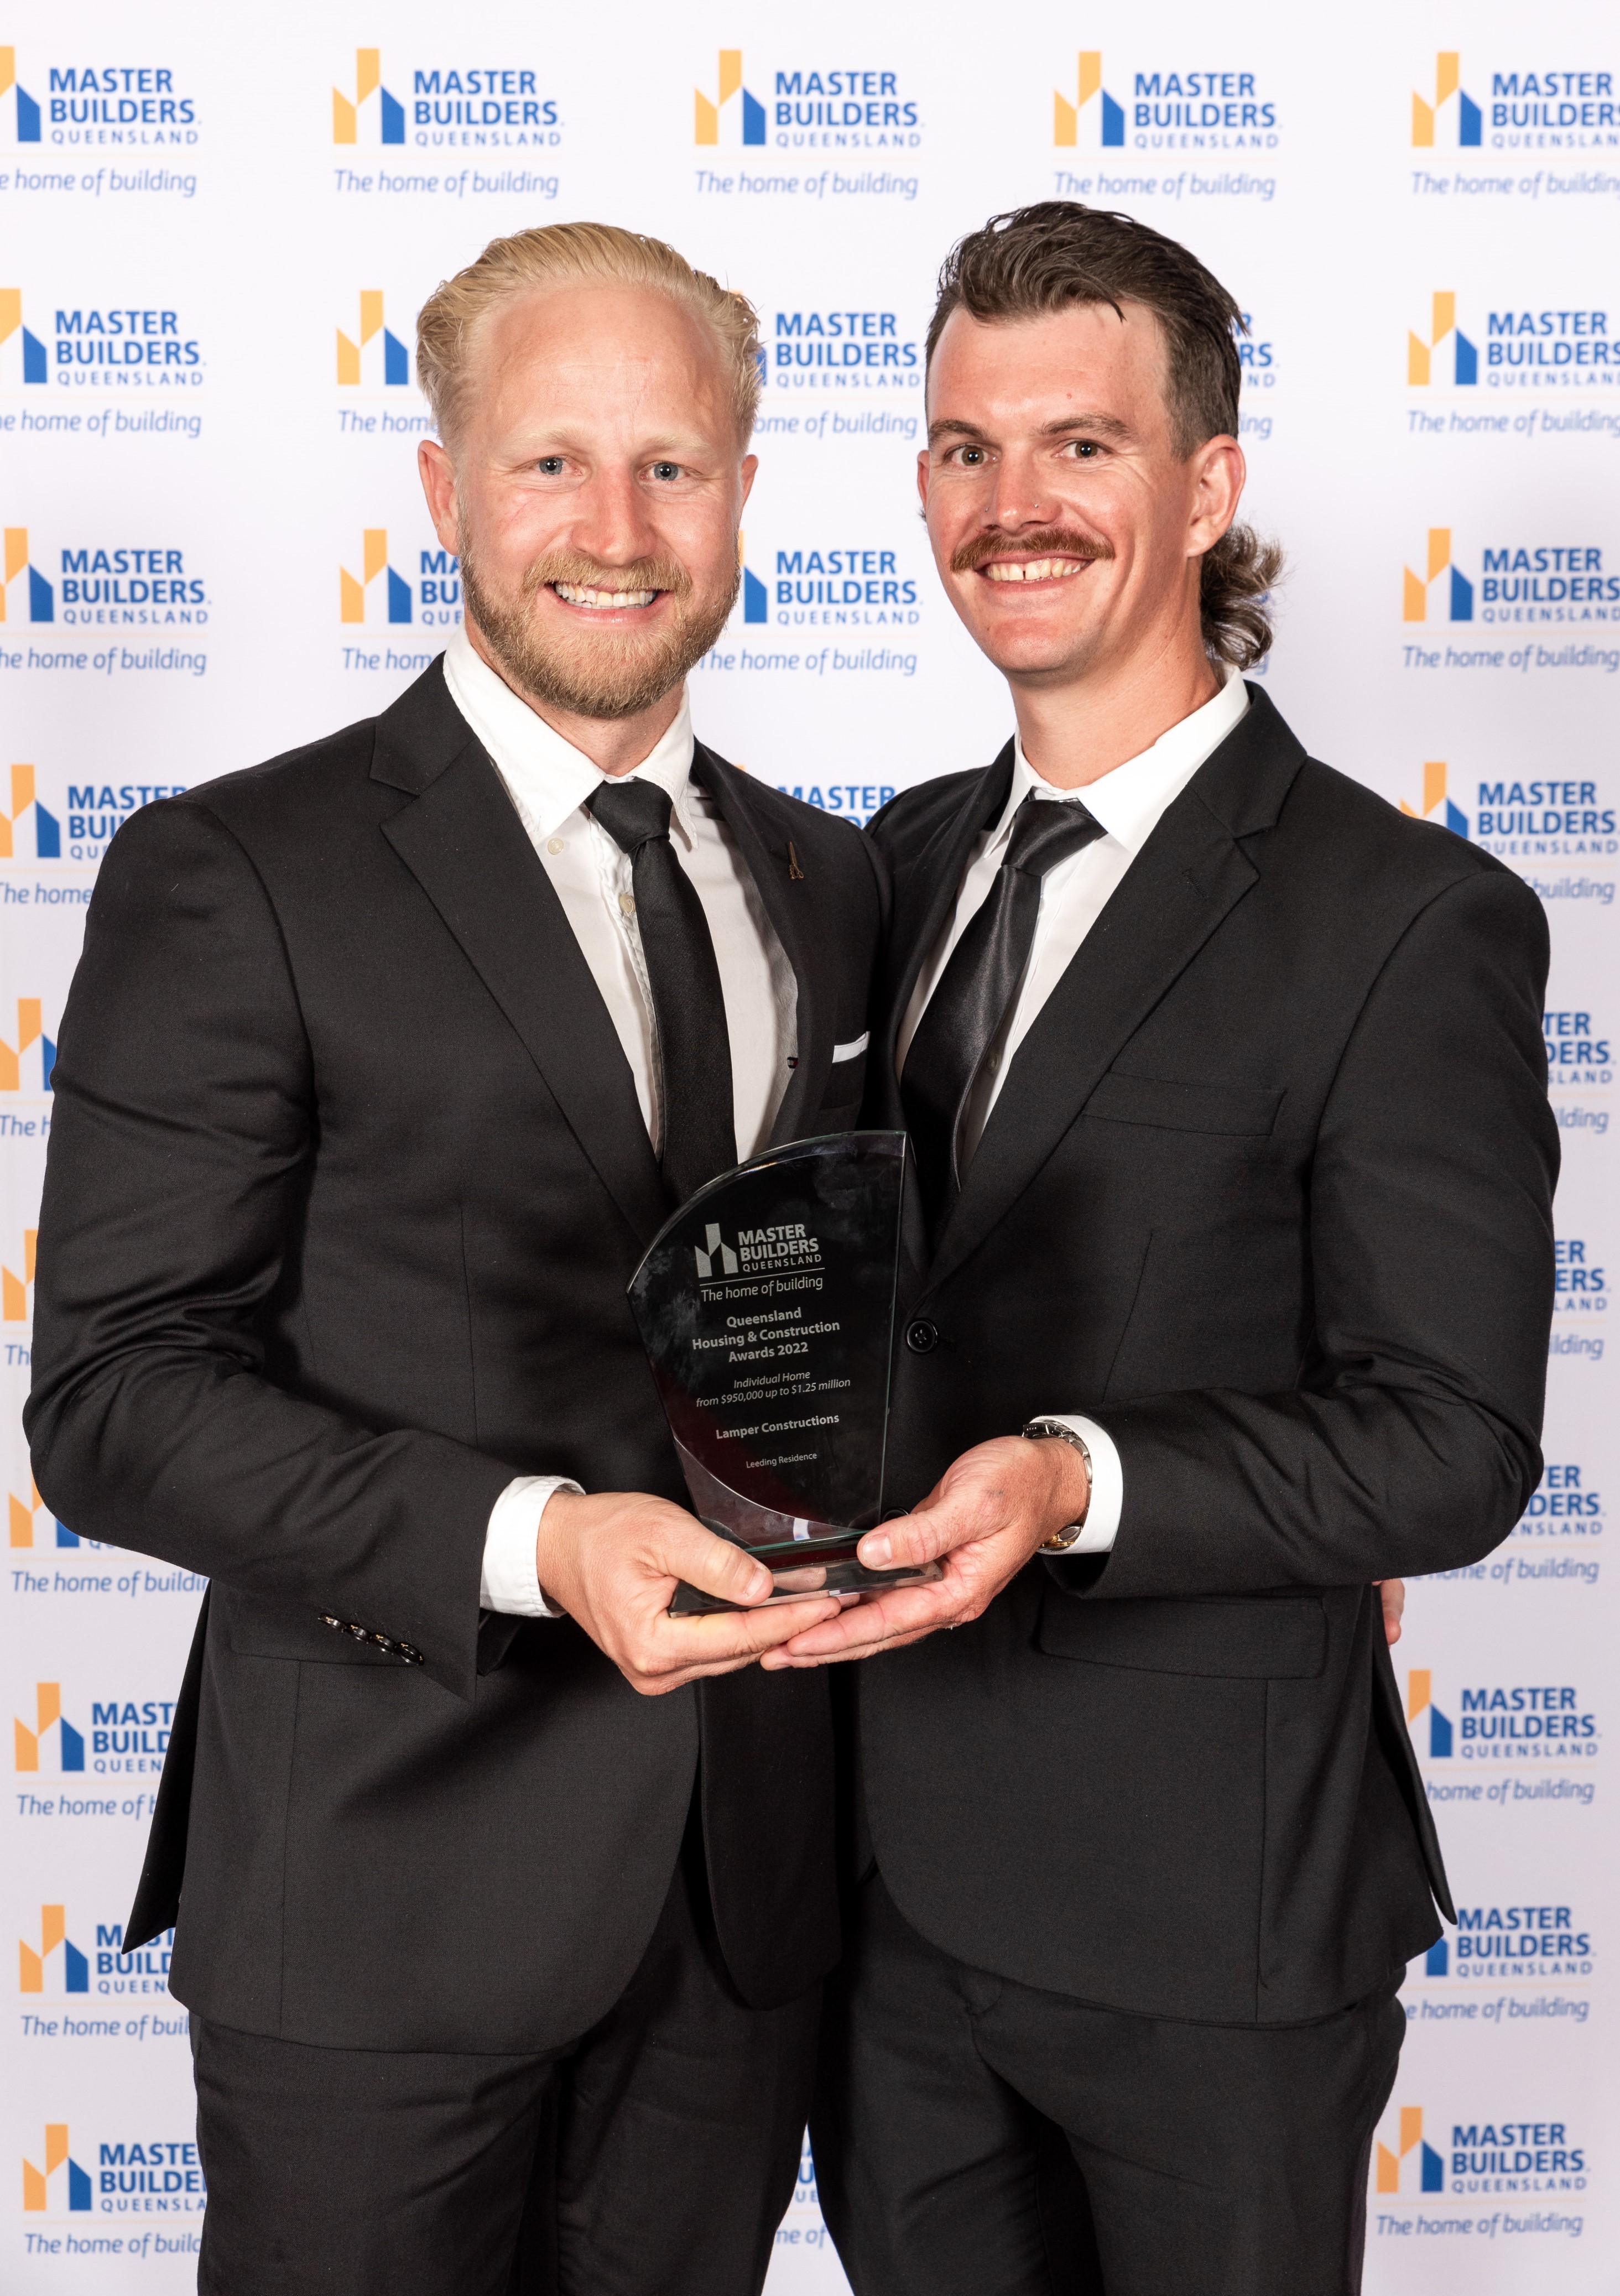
x: 1046, y: 257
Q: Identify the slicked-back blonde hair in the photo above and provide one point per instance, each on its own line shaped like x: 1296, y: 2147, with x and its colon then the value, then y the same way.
x: 558, y: 253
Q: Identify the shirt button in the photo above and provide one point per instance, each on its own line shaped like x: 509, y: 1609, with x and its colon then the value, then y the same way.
x: 627, y: 902
x: 921, y: 1336
x: 553, y: 844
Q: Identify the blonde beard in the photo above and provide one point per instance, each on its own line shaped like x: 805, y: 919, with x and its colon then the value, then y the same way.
x: 616, y: 677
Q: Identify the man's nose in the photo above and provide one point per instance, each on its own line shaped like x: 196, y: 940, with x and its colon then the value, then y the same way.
x: 1018, y: 499
x: 612, y: 519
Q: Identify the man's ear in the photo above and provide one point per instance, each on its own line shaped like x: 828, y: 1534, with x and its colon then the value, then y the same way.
x: 1218, y: 476
x: 437, y: 475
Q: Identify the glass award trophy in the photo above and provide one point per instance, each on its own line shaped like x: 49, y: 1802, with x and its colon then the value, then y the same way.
x: 766, y: 1306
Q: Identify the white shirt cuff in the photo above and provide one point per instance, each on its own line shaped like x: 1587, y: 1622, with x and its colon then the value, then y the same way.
x: 1108, y: 1485
x: 508, y: 1582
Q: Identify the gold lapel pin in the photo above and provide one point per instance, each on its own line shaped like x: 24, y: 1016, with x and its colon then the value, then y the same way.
x: 794, y: 871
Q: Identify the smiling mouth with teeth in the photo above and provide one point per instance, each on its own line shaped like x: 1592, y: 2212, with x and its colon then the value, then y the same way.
x: 1033, y: 569
x: 572, y: 593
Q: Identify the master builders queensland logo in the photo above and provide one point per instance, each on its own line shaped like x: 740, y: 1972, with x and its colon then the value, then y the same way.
x: 1490, y: 1723
x: 76, y: 102
x: 380, y: 587
x: 1514, y: 1944
x: 1513, y: 343
x: 1520, y: 818
x: 1164, y: 102
x: 1511, y: 580
x: 50, y: 1963
x: 443, y: 101
x: 823, y: 582
x: 815, y: 103
x: 1420, y: 2152
x: 96, y: 583
x: 135, y: 2173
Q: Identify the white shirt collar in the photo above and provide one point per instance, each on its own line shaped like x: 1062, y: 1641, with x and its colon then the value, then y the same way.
x: 548, y: 777
x: 1129, y: 801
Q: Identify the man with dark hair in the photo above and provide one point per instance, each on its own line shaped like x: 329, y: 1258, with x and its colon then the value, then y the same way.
x: 1230, y: 1292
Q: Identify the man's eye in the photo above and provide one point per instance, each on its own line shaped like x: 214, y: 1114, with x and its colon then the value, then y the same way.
x: 666, y: 469
x: 550, y: 466
x: 970, y: 456
x: 1086, y: 450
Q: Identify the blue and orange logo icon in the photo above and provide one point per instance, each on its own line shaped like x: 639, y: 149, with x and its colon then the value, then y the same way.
x: 1458, y: 594
x: 30, y: 1031
x: 346, y: 111
x: 23, y: 1514
x: 1066, y: 116
x: 1425, y: 116
x: 1419, y: 1701
x: 14, y: 1288
x: 1431, y: 2168
x: 1436, y: 807
x: 27, y: 823
x: 28, y: 110
x: 707, y: 110
x: 48, y: 1715
x: 37, y: 2182
x: 374, y: 561
x: 756, y: 597
x: 36, y: 366
x: 1420, y: 354
x: 351, y: 353
x: 34, y: 1961
x: 40, y: 594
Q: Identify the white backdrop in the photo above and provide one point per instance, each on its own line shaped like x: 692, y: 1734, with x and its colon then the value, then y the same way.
x: 216, y: 231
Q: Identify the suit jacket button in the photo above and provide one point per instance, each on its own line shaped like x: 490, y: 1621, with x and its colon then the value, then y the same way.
x: 921, y: 1336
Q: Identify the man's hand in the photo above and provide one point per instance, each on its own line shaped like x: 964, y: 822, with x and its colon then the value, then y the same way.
x: 1392, y: 1595
x: 983, y: 1520
x: 611, y: 1562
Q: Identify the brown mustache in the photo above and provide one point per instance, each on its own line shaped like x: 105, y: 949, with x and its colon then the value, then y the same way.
x: 1049, y: 542
x: 573, y: 567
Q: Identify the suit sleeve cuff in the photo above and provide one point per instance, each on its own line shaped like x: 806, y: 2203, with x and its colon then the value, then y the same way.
x: 508, y: 1582
x: 1108, y: 1485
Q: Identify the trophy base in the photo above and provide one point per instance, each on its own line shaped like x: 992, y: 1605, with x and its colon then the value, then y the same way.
x: 801, y: 1567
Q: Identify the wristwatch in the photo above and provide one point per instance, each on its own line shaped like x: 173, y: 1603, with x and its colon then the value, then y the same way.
x: 1060, y: 1541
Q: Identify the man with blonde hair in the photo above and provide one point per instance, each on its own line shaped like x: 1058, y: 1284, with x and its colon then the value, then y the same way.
x: 501, y: 1897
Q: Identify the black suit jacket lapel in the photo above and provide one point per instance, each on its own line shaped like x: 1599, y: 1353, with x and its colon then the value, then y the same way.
x: 765, y: 855
x: 462, y: 842
x: 1192, y: 870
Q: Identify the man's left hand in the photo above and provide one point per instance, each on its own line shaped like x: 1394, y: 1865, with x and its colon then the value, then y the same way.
x: 982, y: 1521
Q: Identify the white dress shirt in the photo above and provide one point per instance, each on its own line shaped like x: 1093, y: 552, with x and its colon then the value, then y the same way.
x: 1128, y: 803
x: 549, y: 782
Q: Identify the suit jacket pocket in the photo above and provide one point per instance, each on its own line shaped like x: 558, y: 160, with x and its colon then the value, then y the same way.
x: 259, y: 1629
x: 1241, y: 1110
x: 1237, y: 1638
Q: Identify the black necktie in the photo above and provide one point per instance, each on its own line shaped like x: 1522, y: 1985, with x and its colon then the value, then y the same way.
x: 699, y: 1137
x: 973, y: 995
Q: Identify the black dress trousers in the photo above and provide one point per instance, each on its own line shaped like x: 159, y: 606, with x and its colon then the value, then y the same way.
x: 973, y: 2135
x: 653, y: 2158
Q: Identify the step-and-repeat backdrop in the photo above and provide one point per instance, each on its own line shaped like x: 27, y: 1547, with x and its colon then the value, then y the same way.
x: 215, y: 234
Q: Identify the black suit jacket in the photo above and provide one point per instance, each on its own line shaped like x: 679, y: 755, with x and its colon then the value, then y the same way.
x: 346, y: 1180
x: 1267, y: 1191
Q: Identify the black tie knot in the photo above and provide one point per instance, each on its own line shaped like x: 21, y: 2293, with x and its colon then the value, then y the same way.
x: 632, y: 812
x: 1046, y: 830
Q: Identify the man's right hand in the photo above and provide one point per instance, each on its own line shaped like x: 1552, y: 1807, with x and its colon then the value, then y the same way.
x: 612, y: 1560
